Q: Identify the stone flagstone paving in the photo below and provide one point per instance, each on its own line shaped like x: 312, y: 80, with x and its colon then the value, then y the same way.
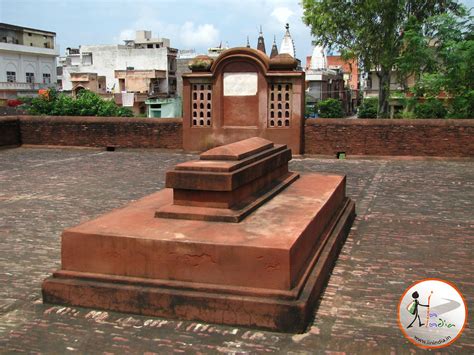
x: 415, y: 220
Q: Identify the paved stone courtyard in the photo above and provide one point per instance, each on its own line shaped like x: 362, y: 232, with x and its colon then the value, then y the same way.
x: 415, y: 220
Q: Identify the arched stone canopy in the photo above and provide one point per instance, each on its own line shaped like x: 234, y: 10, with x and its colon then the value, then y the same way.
x: 243, y: 94
x: 241, y: 53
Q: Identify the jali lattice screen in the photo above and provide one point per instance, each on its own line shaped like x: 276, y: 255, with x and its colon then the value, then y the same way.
x: 201, y: 105
x: 279, y: 105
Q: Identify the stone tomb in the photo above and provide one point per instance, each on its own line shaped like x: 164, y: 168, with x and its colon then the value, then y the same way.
x: 235, y: 238
x: 243, y: 94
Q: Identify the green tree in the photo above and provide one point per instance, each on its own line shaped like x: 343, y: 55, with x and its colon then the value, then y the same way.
x: 370, y: 30
x: 432, y: 108
x: 439, y: 55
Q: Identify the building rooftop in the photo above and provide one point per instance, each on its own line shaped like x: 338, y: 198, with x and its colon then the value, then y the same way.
x: 21, y: 28
x: 414, y: 221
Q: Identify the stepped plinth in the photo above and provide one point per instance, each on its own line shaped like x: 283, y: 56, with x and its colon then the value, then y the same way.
x: 228, y: 182
x: 235, y: 238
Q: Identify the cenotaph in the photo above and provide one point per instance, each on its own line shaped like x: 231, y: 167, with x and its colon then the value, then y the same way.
x: 234, y: 238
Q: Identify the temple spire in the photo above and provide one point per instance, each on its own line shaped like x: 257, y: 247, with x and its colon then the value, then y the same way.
x: 287, y: 44
x: 261, y: 41
x: 274, y: 51
x: 248, y: 42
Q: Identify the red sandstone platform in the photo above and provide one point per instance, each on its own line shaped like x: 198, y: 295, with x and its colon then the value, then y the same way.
x: 228, y: 182
x: 266, y: 271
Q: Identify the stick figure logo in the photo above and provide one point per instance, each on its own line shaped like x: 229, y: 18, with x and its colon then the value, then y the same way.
x: 441, y: 307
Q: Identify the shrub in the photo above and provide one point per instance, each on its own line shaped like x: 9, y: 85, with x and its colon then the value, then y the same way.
x: 64, y: 106
x: 368, y: 108
x: 124, y: 112
x: 431, y: 108
x: 406, y: 114
x: 462, y: 106
x: 41, y: 106
x: 87, y: 103
x: 26, y: 100
x: 330, y: 108
x: 107, y: 108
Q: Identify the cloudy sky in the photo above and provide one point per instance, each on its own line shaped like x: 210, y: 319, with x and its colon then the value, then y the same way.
x: 191, y: 24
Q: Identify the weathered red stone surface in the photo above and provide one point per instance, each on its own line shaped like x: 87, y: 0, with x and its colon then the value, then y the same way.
x: 266, y: 271
x: 273, y: 107
x: 9, y: 131
x: 377, y: 137
x: 238, y: 150
x: 163, y: 256
x: 228, y: 182
x: 388, y: 137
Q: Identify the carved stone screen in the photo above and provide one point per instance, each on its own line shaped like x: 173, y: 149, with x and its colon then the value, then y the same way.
x: 201, y: 105
x: 279, y: 110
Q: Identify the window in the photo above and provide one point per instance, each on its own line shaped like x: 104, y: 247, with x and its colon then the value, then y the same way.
x: 46, y: 78
x: 30, y: 78
x: 369, y: 83
x: 11, y: 76
x: 29, y: 34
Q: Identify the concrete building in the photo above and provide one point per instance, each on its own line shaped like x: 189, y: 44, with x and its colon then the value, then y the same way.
x: 144, y: 87
x: 164, y: 107
x: 27, y: 60
x: 323, y: 82
x: 88, y: 81
x: 370, y: 83
x: 137, y: 70
x: 348, y: 68
x: 142, y: 53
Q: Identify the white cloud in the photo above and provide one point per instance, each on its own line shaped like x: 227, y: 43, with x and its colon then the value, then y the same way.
x: 282, y: 14
x: 186, y: 35
x: 126, y: 34
x: 197, y: 36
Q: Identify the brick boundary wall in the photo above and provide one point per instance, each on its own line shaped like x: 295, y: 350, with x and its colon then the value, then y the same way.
x: 442, y: 138
x: 120, y: 132
x: 9, y: 131
x: 384, y: 137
